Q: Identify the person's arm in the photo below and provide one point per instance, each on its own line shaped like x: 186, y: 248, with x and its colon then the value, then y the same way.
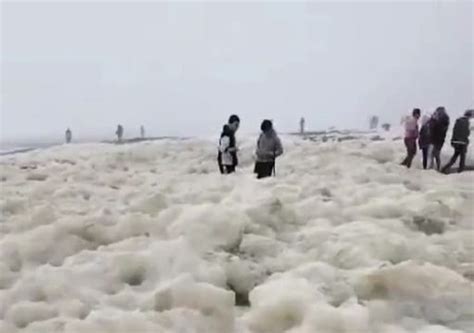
x: 224, y: 144
x: 278, y: 147
x: 466, y: 129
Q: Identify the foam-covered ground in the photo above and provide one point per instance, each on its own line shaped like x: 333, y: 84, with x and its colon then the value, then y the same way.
x: 149, y: 238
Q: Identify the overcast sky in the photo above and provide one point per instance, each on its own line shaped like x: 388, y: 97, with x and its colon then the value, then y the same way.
x: 182, y: 68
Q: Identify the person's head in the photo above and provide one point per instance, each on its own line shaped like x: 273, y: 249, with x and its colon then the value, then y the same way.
x: 416, y: 113
x: 234, y: 122
x: 266, y: 126
x: 440, y: 112
x: 469, y: 113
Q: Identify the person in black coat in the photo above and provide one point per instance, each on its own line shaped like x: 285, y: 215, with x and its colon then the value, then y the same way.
x: 424, y: 139
x: 460, y: 141
x: 439, y: 125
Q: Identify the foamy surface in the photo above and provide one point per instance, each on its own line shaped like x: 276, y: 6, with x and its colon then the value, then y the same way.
x: 150, y: 238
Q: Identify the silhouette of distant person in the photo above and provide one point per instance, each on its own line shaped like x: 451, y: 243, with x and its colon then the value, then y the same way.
x: 302, y: 123
x: 68, y: 136
x: 119, y: 133
x: 142, y: 132
x: 374, y: 122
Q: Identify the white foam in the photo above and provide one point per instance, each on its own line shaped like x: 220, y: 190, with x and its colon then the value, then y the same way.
x: 150, y: 238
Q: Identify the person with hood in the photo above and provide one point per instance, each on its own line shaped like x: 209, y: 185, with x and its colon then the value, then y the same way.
x: 424, y: 141
x: 232, y: 127
x: 411, y: 135
x: 269, y: 147
x: 439, y: 125
x: 226, y: 150
x: 460, y: 141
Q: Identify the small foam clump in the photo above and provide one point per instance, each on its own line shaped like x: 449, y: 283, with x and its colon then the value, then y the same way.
x: 24, y: 313
x: 215, y: 303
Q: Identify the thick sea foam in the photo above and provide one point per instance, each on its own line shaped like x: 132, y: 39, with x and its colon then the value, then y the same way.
x: 150, y: 238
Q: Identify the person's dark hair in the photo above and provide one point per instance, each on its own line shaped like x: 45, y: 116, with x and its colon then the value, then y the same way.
x: 226, y: 131
x: 469, y: 113
x: 266, y: 125
x: 416, y: 112
x: 234, y: 118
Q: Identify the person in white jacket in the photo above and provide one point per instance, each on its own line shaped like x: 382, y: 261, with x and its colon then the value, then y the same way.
x: 269, y: 147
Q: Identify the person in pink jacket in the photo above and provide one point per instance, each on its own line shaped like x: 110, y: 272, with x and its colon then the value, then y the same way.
x: 411, y: 136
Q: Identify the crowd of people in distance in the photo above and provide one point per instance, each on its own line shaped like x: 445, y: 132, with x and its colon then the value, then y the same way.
x: 431, y: 138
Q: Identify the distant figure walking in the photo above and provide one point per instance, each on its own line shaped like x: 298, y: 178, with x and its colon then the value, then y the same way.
x: 68, y: 136
x: 119, y: 133
x: 460, y: 141
x: 269, y: 147
x: 233, y: 126
x: 424, y: 141
x: 439, y: 125
x: 142, y: 132
x: 374, y: 122
x: 302, y: 124
x: 411, y: 135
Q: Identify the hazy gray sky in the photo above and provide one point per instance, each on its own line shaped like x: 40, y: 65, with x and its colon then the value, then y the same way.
x: 182, y: 68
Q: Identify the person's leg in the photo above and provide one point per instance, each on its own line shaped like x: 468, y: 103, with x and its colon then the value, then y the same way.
x: 411, y: 152
x: 430, y: 156
x: 229, y: 169
x: 219, y: 163
x: 265, y: 170
x: 452, y: 160
x: 425, y: 157
x: 268, y: 169
x: 462, y: 158
x: 436, y: 156
x: 258, y: 169
x: 405, y: 161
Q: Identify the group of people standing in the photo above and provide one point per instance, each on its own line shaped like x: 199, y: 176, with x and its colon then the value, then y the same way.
x: 269, y: 147
x: 431, y: 138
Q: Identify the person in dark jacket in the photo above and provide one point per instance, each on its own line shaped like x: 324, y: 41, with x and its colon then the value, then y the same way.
x: 233, y: 125
x: 460, y: 141
x: 439, y: 125
x: 269, y: 147
x: 424, y: 139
